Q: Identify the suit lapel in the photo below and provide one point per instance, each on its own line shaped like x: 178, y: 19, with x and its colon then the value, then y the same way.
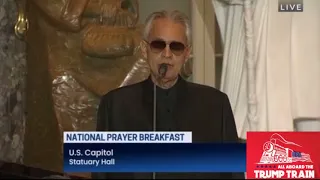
x: 181, y: 110
x: 147, y: 105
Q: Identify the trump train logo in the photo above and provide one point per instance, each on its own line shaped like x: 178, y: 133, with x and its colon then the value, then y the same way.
x: 276, y: 151
x: 283, y: 155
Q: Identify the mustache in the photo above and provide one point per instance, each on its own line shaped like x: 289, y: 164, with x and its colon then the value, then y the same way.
x: 162, y: 60
x: 167, y: 64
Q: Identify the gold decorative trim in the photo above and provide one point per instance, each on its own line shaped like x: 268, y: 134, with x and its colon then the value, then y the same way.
x: 22, y: 25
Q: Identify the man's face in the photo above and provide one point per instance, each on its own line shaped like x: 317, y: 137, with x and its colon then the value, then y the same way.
x: 167, y: 43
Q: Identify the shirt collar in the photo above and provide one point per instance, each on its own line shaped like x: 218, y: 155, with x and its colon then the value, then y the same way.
x: 179, y: 87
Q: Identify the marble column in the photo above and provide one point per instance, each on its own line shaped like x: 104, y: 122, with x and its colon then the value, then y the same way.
x: 12, y: 78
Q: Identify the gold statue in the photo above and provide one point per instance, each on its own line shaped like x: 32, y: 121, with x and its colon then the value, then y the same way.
x: 77, y: 51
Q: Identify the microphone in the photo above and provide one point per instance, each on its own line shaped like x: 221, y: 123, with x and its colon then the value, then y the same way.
x: 162, y: 73
x: 163, y: 70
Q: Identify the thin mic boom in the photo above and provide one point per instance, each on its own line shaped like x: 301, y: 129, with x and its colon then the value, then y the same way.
x: 162, y: 73
x: 154, y: 115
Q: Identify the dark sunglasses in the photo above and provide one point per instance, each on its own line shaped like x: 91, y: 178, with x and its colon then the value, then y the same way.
x: 158, y: 46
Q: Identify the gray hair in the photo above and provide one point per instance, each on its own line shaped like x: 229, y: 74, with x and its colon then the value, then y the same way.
x: 175, y: 15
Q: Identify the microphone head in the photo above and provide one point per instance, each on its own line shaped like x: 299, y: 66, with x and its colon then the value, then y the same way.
x: 163, y: 69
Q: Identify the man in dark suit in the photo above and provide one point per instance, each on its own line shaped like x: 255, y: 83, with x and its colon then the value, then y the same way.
x: 180, y: 105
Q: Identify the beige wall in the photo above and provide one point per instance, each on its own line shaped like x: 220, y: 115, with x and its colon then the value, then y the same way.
x: 148, y: 6
x: 203, y: 33
x: 207, y: 50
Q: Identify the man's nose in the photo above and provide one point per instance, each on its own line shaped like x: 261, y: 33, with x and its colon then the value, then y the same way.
x: 167, y: 51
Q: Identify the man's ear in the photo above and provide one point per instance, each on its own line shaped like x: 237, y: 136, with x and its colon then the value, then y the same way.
x: 188, y: 53
x: 143, y: 47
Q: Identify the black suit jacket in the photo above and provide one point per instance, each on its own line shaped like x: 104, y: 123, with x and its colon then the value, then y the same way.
x: 201, y: 109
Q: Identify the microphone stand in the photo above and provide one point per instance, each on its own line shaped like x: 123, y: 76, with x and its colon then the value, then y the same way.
x: 154, y: 115
x: 162, y: 72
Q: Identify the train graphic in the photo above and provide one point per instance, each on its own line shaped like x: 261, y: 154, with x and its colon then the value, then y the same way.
x: 275, y: 152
